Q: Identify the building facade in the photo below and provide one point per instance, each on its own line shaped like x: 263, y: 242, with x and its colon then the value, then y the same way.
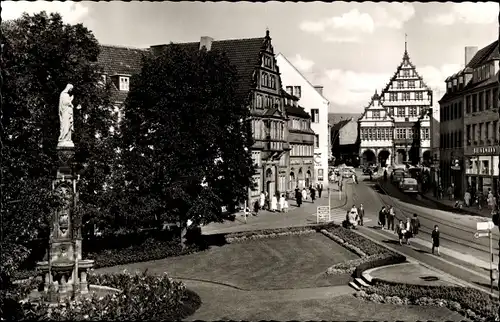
x: 301, y: 139
x: 376, y: 132
x: 345, y: 138
x: 481, y: 142
x: 407, y: 101
x: 311, y: 97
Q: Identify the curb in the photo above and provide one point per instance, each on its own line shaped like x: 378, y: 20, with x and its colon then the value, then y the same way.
x: 413, y: 260
x: 464, y: 211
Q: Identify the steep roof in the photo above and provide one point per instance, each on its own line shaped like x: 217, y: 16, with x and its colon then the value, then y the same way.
x: 334, y: 118
x: 406, y: 57
x: 244, y: 55
x: 341, y: 124
x: 297, y: 111
x: 485, y: 54
x: 119, y: 60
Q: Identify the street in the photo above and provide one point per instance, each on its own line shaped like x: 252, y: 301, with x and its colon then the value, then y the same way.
x: 462, y: 255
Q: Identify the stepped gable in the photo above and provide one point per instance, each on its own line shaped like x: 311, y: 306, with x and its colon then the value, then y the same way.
x: 380, y: 105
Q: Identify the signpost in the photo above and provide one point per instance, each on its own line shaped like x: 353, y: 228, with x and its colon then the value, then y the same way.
x: 484, y: 230
x: 323, y: 214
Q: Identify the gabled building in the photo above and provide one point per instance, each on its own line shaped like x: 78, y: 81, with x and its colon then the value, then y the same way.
x: 344, y: 138
x: 408, y: 101
x: 376, y: 132
x: 311, y: 97
x: 259, y: 85
x: 301, y: 139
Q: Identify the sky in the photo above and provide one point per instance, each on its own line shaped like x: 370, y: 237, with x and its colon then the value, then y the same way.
x: 350, y: 48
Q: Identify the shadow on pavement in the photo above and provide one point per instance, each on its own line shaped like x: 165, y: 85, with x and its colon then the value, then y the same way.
x: 376, y: 188
x: 389, y: 241
x: 487, y: 285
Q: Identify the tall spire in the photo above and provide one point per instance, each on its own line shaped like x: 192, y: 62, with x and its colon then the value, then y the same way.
x: 406, y: 43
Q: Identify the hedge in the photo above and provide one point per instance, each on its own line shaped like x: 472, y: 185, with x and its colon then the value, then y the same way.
x: 275, y: 232
x: 143, y: 297
x: 470, y: 302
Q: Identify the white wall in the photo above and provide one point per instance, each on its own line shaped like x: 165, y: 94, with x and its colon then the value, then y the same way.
x: 310, y: 99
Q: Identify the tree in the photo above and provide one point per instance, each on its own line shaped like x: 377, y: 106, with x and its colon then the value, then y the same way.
x: 41, y: 55
x: 186, y: 139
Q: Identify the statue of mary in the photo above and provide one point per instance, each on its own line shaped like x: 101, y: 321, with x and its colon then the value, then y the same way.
x: 66, y: 117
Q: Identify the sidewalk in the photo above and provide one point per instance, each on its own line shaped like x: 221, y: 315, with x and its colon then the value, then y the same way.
x: 296, y: 216
x: 445, y: 202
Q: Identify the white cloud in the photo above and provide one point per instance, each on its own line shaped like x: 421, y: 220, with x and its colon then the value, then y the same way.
x: 393, y: 15
x: 434, y: 76
x: 352, y: 21
x: 302, y: 64
x: 71, y: 12
x: 340, y: 39
x: 468, y: 13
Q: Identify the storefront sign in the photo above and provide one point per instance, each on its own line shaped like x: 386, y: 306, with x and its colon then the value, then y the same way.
x: 485, y: 150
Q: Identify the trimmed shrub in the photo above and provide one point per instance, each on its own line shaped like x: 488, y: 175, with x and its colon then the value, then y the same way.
x: 143, y: 297
x: 274, y: 232
x: 383, y: 260
x: 350, y: 237
x: 470, y: 302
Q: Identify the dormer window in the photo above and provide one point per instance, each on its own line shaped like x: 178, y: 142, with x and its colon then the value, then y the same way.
x: 124, y: 83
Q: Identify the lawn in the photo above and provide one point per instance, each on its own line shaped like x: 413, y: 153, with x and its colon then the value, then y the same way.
x: 287, y: 262
x: 221, y: 303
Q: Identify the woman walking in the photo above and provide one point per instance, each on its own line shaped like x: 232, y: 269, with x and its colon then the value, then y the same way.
x: 274, y: 204
x: 401, y: 231
x: 381, y: 217
x: 415, y: 225
x: 282, y: 203
x: 435, y: 239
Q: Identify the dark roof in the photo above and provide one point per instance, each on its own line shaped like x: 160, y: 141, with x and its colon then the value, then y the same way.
x: 485, y: 54
x: 297, y: 111
x: 117, y: 60
x: 244, y: 55
x: 334, y: 118
x: 341, y: 124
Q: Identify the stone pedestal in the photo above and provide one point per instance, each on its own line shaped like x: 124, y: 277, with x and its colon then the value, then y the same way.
x: 64, y: 272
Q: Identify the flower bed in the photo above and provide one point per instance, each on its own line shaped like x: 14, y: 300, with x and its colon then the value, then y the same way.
x: 472, y: 303
x: 372, y: 255
x: 273, y: 233
x: 143, y: 297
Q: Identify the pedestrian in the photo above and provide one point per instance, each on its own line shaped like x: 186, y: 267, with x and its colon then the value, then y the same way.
x: 390, y: 219
x: 352, y: 217
x: 320, y: 189
x: 381, y: 217
x: 267, y: 201
x: 490, y: 200
x: 298, y: 197
x: 415, y: 225
x: 274, y: 204
x: 440, y: 192
x: 304, y: 194
x: 262, y: 200
x: 450, y: 192
x: 312, y: 191
x: 256, y: 207
x: 401, y: 231
x: 285, y: 206
x: 385, y: 174
x: 408, y: 233
x: 467, y: 198
x: 435, y: 239
x: 361, y: 214
x: 282, y: 202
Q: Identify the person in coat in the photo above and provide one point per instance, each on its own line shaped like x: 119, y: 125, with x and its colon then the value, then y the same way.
x: 320, y: 189
x: 361, y: 214
x: 262, y: 200
x: 304, y: 194
x: 401, y: 231
x: 381, y: 217
x: 274, y: 204
x: 467, y: 198
x: 298, y: 197
x: 415, y: 225
x: 408, y: 233
x: 435, y: 239
x: 312, y: 192
x: 282, y: 203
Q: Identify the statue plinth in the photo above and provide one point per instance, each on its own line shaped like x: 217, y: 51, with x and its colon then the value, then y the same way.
x: 64, y: 272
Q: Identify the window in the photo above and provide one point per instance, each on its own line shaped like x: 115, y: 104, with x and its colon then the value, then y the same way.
x: 265, y: 80
x: 316, y: 141
x: 413, y: 111
x: 376, y: 114
x: 297, y: 91
x: 289, y: 90
x: 258, y: 101
x: 400, y: 84
x: 406, y: 96
x: 406, y: 73
x: 495, y: 98
x: 411, y: 84
x: 495, y: 130
x: 273, y: 81
x: 468, y: 104
x: 393, y: 96
x: 481, y: 101
x: 315, y: 115
x: 400, y: 133
x: 487, y: 100
x: 468, y: 133
x: 378, y: 133
x: 487, y: 131
x: 124, y: 83
x: 277, y: 103
x: 401, y: 111
x: 419, y: 96
x: 426, y: 134
x: 268, y: 62
x: 474, y: 103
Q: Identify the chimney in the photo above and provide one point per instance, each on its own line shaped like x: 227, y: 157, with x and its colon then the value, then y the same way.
x: 206, y: 42
x: 470, y: 51
x: 319, y: 89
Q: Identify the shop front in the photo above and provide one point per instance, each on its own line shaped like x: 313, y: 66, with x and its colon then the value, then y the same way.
x: 482, y: 169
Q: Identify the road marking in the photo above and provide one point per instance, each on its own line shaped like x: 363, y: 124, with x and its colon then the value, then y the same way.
x: 444, y: 260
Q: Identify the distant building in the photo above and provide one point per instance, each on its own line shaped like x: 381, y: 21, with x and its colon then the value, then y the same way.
x: 395, y: 127
x: 344, y: 137
x: 301, y: 139
x: 311, y: 97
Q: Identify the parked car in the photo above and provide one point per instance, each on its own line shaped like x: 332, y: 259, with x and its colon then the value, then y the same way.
x: 347, y: 173
x: 397, y: 175
x: 409, y: 185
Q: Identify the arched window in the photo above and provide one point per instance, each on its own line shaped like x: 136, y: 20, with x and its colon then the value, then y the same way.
x: 273, y: 81
x: 266, y: 80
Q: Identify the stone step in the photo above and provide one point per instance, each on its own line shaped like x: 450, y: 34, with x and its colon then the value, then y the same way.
x: 354, y: 286
x: 361, y: 282
x: 367, y: 278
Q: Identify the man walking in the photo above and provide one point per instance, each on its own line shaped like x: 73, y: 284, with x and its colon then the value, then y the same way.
x: 298, y: 197
x: 361, y: 214
x: 320, y: 189
x: 312, y: 192
x: 390, y: 219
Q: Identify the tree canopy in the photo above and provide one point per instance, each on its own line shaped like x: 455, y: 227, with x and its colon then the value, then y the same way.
x: 41, y: 54
x: 186, y: 139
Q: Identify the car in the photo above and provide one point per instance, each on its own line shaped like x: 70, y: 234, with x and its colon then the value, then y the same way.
x: 398, y: 175
x: 347, y: 173
x: 409, y: 185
